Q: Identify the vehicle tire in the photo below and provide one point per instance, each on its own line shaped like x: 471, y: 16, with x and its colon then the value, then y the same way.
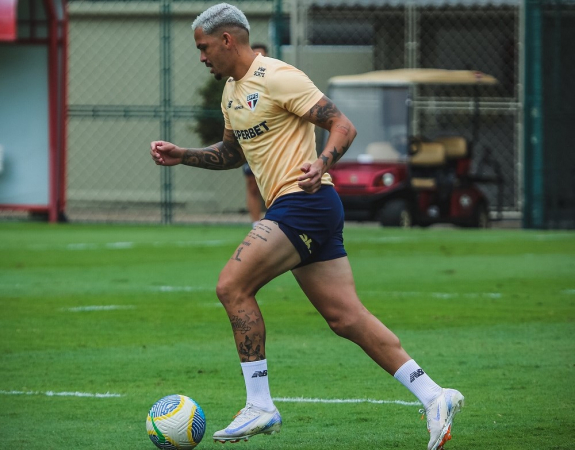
x: 395, y: 213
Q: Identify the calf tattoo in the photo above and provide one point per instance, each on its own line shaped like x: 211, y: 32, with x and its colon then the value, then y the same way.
x: 250, y: 351
x: 240, y: 325
x: 251, y: 346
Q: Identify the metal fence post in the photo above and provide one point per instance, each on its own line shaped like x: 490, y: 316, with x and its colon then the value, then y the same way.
x: 166, y: 175
x: 533, y: 213
x: 278, y: 28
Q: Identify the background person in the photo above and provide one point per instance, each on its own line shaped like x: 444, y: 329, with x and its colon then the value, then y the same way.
x: 253, y: 196
x: 270, y: 109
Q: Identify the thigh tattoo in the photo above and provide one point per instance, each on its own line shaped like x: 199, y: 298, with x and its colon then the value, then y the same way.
x: 259, y: 232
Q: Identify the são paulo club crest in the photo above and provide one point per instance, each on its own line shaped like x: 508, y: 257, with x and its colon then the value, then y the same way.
x: 253, y: 100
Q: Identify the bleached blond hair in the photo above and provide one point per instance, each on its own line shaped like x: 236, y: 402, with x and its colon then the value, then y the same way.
x: 219, y: 15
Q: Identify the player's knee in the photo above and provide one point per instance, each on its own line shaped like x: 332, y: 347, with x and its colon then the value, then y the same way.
x: 225, y: 292
x: 230, y: 294
x: 393, y: 342
x: 345, y: 326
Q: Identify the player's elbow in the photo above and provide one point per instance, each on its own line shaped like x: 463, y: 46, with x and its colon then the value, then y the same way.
x: 352, y: 132
x: 351, y: 126
x: 346, y: 127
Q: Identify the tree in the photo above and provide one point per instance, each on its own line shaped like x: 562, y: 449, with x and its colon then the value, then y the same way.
x: 210, y: 123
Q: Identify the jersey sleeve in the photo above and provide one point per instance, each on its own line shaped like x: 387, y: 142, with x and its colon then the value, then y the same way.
x: 293, y: 91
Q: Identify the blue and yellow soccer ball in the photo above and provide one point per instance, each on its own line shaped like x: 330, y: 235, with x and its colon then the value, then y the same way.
x: 176, y: 422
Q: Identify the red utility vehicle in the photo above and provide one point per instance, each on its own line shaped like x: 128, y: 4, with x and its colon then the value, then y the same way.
x: 393, y: 173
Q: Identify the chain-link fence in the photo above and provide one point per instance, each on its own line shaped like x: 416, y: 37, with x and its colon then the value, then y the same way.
x: 135, y: 76
x: 471, y: 35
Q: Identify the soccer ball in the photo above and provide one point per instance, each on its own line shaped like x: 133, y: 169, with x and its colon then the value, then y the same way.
x: 176, y: 422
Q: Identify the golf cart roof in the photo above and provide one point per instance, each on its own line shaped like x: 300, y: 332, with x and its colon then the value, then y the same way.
x: 402, y: 77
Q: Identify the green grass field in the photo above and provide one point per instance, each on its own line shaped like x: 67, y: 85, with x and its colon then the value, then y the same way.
x: 131, y: 312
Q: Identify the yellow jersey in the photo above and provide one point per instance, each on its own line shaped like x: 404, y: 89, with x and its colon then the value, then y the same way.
x: 264, y: 109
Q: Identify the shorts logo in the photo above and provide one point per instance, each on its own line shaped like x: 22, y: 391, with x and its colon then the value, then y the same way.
x: 253, y: 100
x: 307, y: 241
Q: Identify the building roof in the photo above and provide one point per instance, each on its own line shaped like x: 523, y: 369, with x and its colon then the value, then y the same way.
x: 400, y: 77
x: 436, y: 3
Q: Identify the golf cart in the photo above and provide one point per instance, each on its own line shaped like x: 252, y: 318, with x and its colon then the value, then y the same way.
x: 393, y: 173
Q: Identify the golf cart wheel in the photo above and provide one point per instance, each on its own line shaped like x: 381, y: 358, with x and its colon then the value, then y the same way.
x: 395, y: 213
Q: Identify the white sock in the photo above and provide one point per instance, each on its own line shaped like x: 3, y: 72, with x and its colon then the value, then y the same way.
x: 418, y: 382
x: 257, y: 386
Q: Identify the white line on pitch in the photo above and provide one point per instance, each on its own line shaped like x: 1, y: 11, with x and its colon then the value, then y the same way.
x: 440, y: 295
x: 343, y: 400
x: 130, y: 245
x: 121, y: 245
x: 183, y: 288
x: 62, y: 394
x: 98, y: 308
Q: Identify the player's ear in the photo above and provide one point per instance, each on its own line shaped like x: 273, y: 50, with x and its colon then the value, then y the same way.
x: 227, y: 38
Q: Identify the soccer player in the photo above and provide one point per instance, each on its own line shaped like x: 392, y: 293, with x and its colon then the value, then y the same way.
x: 270, y: 110
x: 253, y: 196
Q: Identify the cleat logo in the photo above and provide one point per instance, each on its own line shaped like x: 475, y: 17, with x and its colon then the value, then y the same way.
x: 414, y: 375
x: 260, y: 373
x: 235, y: 430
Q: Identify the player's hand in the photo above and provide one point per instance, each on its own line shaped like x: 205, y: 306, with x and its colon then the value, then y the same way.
x: 310, y: 181
x: 165, y: 153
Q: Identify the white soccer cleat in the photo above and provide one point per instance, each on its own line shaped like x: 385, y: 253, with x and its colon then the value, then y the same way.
x: 249, y: 422
x: 440, y: 416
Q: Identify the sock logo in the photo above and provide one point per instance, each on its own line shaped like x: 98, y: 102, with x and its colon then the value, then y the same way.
x: 415, y: 375
x: 260, y: 373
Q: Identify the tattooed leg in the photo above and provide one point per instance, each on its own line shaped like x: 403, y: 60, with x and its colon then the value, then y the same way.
x: 250, y: 335
x: 264, y: 254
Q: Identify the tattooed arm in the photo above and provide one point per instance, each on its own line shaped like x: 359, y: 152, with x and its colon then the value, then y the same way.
x: 224, y: 155
x: 325, y: 114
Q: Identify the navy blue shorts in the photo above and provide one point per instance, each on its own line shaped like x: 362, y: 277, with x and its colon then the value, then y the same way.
x: 312, y: 222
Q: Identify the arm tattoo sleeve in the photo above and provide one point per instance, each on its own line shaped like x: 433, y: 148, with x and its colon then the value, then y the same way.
x: 224, y: 155
x: 326, y: 115
x: 323, y: 113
